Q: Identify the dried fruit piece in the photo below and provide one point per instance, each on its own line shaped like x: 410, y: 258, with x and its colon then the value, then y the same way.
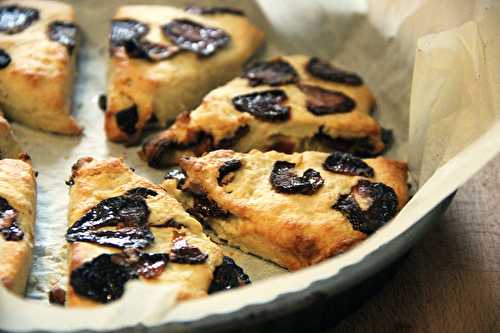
x: 229, y: 142
x: 323, y: 70
x: 178, y: 174
x: 347, y: 164
x: 368, y: 206
x: 322, y: 101
x: 284, y: 180
x: 171, y: 223
x: 228, y: 275
x: 213, y: 10
x: 151, y: 265
x: 126, y: 30
x: 57, y: 296
x: 142, y: 191
x: 360, y: 147
x: 225, y: 169
x: 127, y: 118
x: 139, y: 237
x: 204, y: 208
x: 183, y: 253
x: 102, y: 101
x: 264, y: 105
x: 65, y: 33
x: 14, y: 18
x: 141, y: 49
x: 8, y: 222
x: 274, y: 73
x: 4, y: 59
x: 195, y: 37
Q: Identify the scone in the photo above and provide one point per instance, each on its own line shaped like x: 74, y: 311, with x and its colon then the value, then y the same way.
x: 17, y: 222
x: 288, y: 104
x: 9, y: 147
x: 163, y: 60
x: 123, y: 227
x: 294, y: 210
x: 38, y: 41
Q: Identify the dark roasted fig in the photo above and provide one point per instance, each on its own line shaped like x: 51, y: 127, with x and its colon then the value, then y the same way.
x: 125, y: 30
x: 322, y: 101
x: 323, y: 70
x: 274, y: 73
x: 264, y: 105
x: 9, y: 228
x: 65, y: 33
x: 284, y: 180
x: 14, y: 18
x: 225, y: 169
x: 228, y: 275
x: 347, y: 164
x: 195, y: 37
x: 127, y: 118
x: 4, y: 59
x: 183, y: 253
x: 368, y: 206
x: 178, y: 174
x: 213, y: 10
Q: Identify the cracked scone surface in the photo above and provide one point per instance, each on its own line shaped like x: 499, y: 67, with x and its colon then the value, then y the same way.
x: 161, y: 89
x: 218, y: 124
x: 17, y: 222
x: 36, y: 86
x: 293, y: 230
x: 94, y: 182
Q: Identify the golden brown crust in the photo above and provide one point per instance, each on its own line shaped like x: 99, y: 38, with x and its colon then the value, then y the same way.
x: 9, y: 147
x: 17, y: 186
x: 292, y: 230
x: 36, y: 87
x: 95, y: 181
x: 169, y: 87
x: 216, y: 120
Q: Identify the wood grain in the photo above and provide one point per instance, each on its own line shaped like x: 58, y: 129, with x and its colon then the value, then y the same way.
x: 450, y: 282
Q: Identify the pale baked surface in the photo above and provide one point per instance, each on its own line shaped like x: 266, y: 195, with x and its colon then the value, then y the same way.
x: 291, y: 230
x: 95, y: 181
x: 9, y: 147
x: 168, y: 87
x: 36, y: 87
x: 17, y: 186
x: 219, y: 120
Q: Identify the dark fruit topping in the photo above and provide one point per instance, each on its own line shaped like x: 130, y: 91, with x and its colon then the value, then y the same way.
x: 274, y: 73
x: 8, y: 222
x: 65, y: 33
x: 102, y: 101
x: 141, y: 49
x: 204, y: 208
x: 4, y: 59
x: 322, y: 102
x: 127, y: 118
x: 323, y: 70
x: 14, y: 18
x: 347, y: 164
x: 124, y: 31
x: 229, y: 142
x: 284, y: 180
x: 360, y: 147
x: 183, y: 253
x: 382, y: 204
x: 57, y: 296
x: 264, y: 105
x: 195, y: 37
x: 150, y: 266
x: 139, y: 237
x: 228, y: 275
x: 142, y: 191
x: 178, y: 174
x: 228, y: 167
x: 213, y: 10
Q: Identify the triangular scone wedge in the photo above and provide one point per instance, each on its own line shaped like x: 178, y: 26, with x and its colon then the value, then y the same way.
x: 17, y: 222
x: 289, y: 104
x: 37, y: 61
x: 155, y: 73
x: 294, y: 210
x: 123, y: 227
x: 9, y: 147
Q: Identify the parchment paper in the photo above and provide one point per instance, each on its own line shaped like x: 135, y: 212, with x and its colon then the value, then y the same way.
x: 442, y: 56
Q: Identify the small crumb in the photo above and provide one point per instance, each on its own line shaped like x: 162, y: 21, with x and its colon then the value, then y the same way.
x: 57, y: 296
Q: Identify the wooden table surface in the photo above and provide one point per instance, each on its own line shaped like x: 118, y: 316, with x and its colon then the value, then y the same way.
x: 450, y: 282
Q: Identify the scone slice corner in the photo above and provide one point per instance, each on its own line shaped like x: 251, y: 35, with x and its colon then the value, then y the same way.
x: 293, y: 209
x: 17, y: 222
x: 156, y: 70
x: 123, y: 227
x: 37, y: 64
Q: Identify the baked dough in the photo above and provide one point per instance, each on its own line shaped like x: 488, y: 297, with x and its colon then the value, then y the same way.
x: 9, y: 147
x: 217, y: 123
x: 145, y: 89
x: 36, y: 86
x: 17, y: 190
x: 298, y: 225
x: 94, y: 181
